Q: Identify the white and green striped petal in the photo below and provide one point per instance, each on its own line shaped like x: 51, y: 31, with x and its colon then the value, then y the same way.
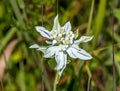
x: 56, y: 26
x: 67, y: 26
x: 75, y: 52
x: 61, y: 60
x: 44, y: 32
x: 50, y: 51
x: 34, y: 46
x: 40, y: 48
x: 84, y: 39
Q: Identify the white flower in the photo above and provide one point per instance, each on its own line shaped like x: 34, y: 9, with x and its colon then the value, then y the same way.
x: 62, y: 43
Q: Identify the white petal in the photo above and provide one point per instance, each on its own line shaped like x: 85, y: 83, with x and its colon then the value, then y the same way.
x: 67, y: 26
x: 56, y: 26
x: 61, y: 59
x: 75, y: 52
x: 34, y: 46
x: 50, y: 51
x: 84, y: 39
x: 41, y: 48
x: 43, y: 32
x: 48, y: 42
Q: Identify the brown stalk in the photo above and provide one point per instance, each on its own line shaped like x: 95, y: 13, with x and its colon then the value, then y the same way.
x: 4, y: 58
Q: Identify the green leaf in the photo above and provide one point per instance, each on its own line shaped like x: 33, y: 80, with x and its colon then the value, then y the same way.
x: 21, y: 78
x: 117, y: 14
x: 42, y: 49
x: 21, y: 4
x: 17, y: 12
x: 52, y: 63
x: 76, y: 33
x: 99, y: 21
x: 93, y: 83
x: 2, y: 10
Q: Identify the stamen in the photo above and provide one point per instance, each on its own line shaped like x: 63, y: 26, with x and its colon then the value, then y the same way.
x: 54, y: 42
x: 62, y: 47
x: 63, y: 39
x: 54, y: 34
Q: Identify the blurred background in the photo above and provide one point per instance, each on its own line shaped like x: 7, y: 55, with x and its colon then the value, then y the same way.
x: 21, y: 68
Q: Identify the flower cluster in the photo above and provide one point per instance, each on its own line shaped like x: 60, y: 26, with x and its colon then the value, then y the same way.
x: 63, y: 39
x: 62, y: 42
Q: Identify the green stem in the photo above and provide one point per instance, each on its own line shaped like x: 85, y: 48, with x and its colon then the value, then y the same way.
x: 7, y: 38
x: 17, y: 12
x: 99, y: 21
x: 88, y: 70
x: 89, y: 79
x: 90, y: 17
x: 55, y: 82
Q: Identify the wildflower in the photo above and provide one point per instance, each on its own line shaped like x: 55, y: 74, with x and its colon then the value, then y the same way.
x: 62, y: 42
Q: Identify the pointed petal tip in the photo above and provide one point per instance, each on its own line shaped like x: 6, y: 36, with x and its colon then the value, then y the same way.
x: 38, y: 28
x: 90, y: 58
x: 69, y: 22
x: 34, y: 46
x: 30, y: 46
x: 57, y: 15
x: 67, y: 26
x: 92, y: 37
x: 84, y: 39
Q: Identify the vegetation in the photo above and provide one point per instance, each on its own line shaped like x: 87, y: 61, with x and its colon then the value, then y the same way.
x: 25, y: 69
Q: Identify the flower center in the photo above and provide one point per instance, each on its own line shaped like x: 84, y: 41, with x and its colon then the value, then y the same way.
x: 63, y: 39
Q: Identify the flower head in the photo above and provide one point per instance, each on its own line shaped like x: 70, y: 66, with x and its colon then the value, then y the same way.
x: 62, y: 42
